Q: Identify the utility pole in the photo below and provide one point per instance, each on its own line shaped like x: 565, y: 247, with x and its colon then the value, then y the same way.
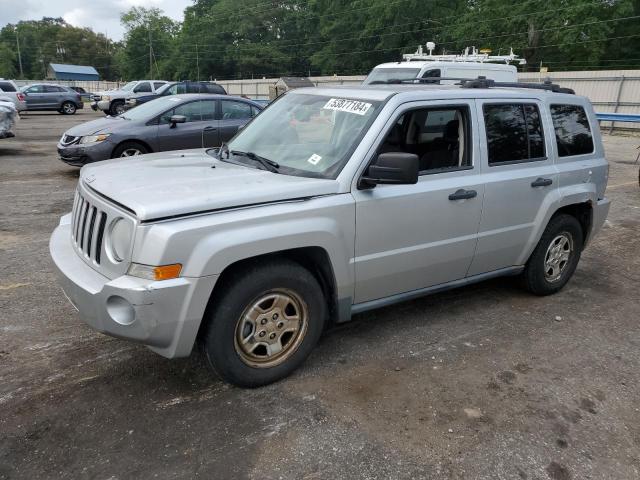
x: 19, y: 56
x: 150, y: 54
x: 197, y: 62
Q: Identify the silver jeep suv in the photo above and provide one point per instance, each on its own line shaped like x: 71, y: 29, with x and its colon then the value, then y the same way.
x: 333, y: 201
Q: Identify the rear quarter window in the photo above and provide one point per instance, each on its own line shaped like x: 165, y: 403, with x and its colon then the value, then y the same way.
x: 573, y: 133
x: 6, y: 87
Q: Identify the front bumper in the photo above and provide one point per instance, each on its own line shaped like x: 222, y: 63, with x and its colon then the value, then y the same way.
x: 104, y: 105
x: 79, y: 155
x: 165, y: 316
x: 94, y: 106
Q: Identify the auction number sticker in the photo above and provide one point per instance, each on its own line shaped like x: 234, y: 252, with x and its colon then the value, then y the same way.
x: 349, y: 106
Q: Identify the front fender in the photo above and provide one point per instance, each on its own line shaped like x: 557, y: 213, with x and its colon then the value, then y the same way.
x: 211, y: 243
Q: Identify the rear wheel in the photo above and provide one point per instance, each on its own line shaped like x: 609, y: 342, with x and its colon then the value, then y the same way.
x: 556, y: 256
x: 117, y: 108
x: 264, y: 324
x: 129, y: 149
x: 68, y: 108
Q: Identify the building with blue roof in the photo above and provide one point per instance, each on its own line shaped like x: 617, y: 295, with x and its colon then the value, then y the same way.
x: 57, y: 71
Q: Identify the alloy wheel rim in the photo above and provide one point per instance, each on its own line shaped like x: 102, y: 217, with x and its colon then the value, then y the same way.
x: 271, y: 328
x: 68, y: 108
x: 557, y: 257
x: 119, y: 109
x: 130, y: 152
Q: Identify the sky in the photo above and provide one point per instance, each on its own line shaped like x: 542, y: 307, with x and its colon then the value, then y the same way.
x: 100, y: 15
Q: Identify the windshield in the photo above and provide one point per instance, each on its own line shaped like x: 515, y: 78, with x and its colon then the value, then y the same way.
x: 383, y: 75
x: 129, y: 86
x: 148, y: 110
x: 309, y: 135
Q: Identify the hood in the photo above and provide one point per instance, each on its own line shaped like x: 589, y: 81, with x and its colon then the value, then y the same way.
x: 112, y: 92
x: 101, y: 125
x: 178, y: 183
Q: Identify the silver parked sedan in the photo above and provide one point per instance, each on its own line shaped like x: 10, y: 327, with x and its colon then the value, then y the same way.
x: 168, y: 123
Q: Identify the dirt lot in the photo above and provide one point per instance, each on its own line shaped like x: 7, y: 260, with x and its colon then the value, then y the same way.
x: 483, y: 382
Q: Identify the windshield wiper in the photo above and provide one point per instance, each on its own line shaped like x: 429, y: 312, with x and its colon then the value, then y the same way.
x: 270, y: 165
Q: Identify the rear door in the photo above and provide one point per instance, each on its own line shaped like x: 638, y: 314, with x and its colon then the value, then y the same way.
x: 233, y: 115
x: 54, y: 96
x: 520, y: 180
x: 200, y: 115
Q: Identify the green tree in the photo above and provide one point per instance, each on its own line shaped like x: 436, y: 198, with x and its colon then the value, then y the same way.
x: 148, y: 44
x: 53, y: 40
x: 8, y: 61
x: 556, y: 33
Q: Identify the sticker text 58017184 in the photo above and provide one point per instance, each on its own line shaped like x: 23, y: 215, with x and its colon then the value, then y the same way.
x: 346, y: 105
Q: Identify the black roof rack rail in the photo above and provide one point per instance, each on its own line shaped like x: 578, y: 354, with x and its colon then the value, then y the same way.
x: 416, y: 81
x: 479, y: 82
x: 483, y: 82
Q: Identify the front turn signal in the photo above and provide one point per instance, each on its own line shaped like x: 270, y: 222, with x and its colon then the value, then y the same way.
x: 149, y: 272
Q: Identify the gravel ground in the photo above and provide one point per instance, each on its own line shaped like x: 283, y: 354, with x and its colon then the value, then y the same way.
x: 483, y: 382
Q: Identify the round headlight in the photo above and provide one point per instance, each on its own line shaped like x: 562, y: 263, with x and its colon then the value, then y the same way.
x: 119, y: 239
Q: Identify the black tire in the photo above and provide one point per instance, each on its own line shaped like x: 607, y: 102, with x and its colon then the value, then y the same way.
x: 116, y: 108
x: 540, y: 280
x: 228, y: 307
x: 129, y: 147
x: 68, y: 108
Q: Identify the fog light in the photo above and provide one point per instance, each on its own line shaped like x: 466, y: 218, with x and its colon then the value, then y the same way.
x: 120, y: 310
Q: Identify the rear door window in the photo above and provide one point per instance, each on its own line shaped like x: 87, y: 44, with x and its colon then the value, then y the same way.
x: 573, y: 134
x: 157, y: 85
x: 514, y: 133
x: 232, y: 110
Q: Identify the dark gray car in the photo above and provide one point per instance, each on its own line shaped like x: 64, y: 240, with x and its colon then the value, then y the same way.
x: 168, y: 123
x: 46, y: 96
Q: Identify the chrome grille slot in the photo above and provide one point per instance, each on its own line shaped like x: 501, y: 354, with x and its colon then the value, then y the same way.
x: 101, y: 225
x: 88, y: 224
x: 92, y: 223
x: 83, y: 223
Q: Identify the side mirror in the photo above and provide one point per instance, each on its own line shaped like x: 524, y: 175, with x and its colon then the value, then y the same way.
x: 175, y: 119
x: 394, y: 168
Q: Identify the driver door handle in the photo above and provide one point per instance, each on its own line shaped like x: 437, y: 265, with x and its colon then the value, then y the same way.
x: 210, y: 129
x: 541, y: 182
x: 463, y: 194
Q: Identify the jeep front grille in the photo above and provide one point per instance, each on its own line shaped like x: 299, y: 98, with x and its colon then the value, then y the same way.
x: 87, y: 228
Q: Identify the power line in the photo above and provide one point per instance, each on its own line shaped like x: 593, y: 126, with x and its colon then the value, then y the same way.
x: 439, y: 20
x: 448, y: 43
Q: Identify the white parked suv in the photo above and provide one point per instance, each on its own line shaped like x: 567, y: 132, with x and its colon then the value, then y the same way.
x: 112, y: 102
x: 9, y: 90
x: 331, y: 202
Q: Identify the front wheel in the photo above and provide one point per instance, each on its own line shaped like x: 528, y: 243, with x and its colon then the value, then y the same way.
x: 556, y: 256
x: 264, y: 323
x: 129, y: 149
x: 117, y: 108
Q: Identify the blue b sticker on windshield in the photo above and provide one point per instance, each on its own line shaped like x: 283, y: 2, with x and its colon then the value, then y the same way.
x: 349, y: 106
x: 314, y: 159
